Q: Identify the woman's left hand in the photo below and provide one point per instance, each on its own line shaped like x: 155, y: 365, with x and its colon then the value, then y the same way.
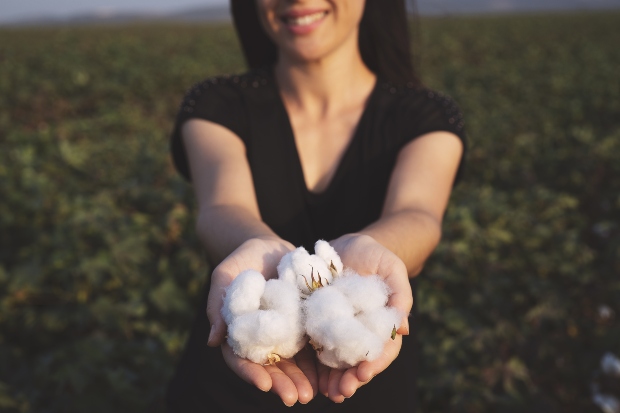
x: 366, y: 256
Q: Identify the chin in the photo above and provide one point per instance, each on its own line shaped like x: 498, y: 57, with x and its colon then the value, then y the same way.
x: 304, y: 54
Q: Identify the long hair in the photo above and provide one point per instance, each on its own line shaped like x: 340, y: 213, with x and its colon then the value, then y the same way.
x: 384, y: 40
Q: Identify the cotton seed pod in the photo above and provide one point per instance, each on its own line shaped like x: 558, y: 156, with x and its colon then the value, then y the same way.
x: 365, y: 293
x: 264, y: 319
x: 309, y: 272
x: 324, y: 250
x: 243, y: 295
x: 348, y: 321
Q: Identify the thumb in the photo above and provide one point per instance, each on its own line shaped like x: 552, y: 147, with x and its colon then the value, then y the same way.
x: 402, y: 295
x: 215, y: 301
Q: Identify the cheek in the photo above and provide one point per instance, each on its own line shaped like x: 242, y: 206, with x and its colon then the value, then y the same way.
x: 353, y: 10
x: 267, y: 16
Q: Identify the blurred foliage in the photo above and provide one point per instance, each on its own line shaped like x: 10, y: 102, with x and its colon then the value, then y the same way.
x: 100, y: 270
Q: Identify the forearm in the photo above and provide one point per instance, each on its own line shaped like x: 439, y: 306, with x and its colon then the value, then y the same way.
x: 222, y: 229
x: 410, y: 234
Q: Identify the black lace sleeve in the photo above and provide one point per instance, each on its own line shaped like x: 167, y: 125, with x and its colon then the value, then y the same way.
x: 424, y: 111
x: 216, y: 100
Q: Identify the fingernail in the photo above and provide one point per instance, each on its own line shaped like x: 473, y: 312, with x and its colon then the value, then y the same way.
x: 407, y: 326
x: 211, y: 334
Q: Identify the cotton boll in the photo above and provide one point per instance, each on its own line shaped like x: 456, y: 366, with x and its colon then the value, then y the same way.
x: 381, y: 321
x: 299, y: 268
x: 284, y: 298
x: 343, y: 340
x: 354, y: 343
x: 264, y: 329
x: 308, y: 268
x: 329, y: 358
x: 365, y: 293
x: 327, y: 303
x: 243, y: 295
x: 257, y: 354
x: 610, y: 364
x: 324, y: 307
x: 308, y: 271
x: 281, y: 296
x: 241, y: 338
x: 348, y: 321
x: 324, y: 250
x: 274, y: 326
x: 290, y: 347
x: 285, y: 269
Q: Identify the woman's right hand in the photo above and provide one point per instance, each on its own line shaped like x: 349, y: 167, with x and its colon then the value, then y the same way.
x: 291, y: 379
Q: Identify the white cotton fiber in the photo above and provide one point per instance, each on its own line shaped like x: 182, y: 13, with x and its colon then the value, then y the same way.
x: 351, y: 342
x: 281, y: 296
x: 243, y: 294
x: 285, y: 269
x: 262, y: 328
x: 302, y: 268
x: 327, y: 304
x: 343, y: 313
x: 330, y: 358
x: 348, y: 321
x: 324, y: 250
x: 263, y: 318
x: 381, y: 321
x: 363, y: 292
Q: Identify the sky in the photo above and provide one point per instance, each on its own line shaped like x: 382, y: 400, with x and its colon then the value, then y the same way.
x: 18, y: 9
x: 13, y: 10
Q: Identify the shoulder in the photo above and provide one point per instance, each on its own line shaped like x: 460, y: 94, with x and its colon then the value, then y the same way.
x: 219, y: 99
x: 415, y: 111
x: 224, y: 90
x: 422, y: 108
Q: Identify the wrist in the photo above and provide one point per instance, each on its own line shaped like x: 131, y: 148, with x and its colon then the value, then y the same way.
x: 272, y: 240
x: 352, y: 238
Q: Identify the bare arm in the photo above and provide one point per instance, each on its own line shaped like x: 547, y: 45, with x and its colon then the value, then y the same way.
x: 420, y: 186
x: 396, y: 246
x: 228, y: 213
x: 231, y: 229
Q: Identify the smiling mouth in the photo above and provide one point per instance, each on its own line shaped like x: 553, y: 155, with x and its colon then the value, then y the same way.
x: 306, y: 20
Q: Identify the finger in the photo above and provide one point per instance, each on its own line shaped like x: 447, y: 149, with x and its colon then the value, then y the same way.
x: 323, y: 372
x: 282, y: 385
x: 333, y: 387
x: 366, y: 370
x: 252, y: 373
x: 219, y: 281
x: 305, y: 392
x: 403, y: 329
x: 307, y: 363
x: 402, y: 296
x: 349, y: 383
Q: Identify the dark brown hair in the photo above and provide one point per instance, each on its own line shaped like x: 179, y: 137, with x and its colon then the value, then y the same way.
x: 384, y: 39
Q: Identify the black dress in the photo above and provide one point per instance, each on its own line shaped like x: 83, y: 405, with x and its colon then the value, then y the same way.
x: 250, y: 106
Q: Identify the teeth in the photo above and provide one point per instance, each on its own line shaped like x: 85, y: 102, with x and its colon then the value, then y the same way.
x: 307, y: 19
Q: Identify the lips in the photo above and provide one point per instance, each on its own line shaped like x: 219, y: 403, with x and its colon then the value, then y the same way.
x: 300, y: 22
x: 303, y: 19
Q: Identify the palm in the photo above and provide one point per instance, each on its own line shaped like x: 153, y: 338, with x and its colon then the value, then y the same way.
x: 291, y: 379
x: 366, y: 256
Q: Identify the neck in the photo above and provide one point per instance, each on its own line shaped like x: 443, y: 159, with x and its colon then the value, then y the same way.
x: 325, y: 85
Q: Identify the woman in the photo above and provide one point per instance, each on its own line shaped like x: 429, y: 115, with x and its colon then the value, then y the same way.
x: 329, y: 136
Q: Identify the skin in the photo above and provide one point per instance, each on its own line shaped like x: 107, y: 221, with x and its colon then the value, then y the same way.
x: 324, y: 85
